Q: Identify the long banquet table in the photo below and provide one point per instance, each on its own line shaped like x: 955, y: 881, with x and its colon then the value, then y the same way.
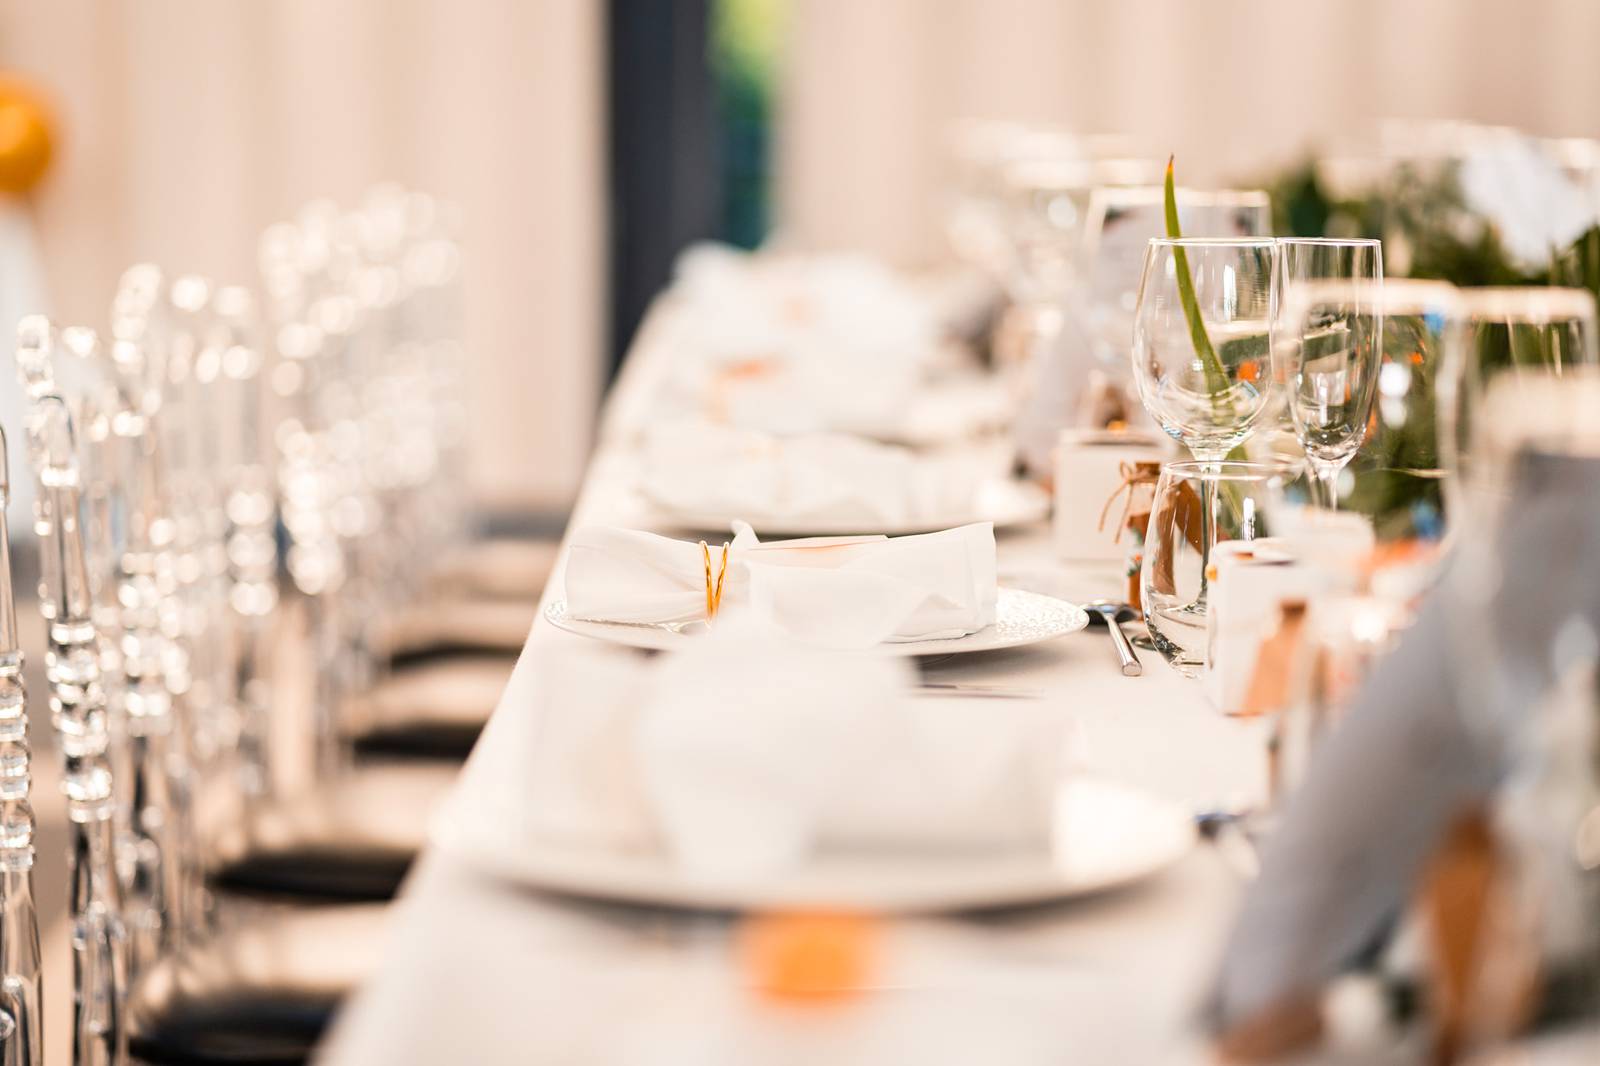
x: 482, y: 969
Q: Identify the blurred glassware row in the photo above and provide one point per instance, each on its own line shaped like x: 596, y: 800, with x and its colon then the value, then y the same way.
x: 171, y: 462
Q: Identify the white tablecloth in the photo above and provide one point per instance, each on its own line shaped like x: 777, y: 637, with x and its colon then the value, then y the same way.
x: 484, y: 971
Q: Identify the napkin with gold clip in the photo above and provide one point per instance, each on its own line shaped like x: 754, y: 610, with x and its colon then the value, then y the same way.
x: 844, y: 592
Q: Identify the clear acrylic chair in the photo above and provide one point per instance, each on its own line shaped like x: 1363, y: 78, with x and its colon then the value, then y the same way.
x: 80, y: 716
x: 21, y: 984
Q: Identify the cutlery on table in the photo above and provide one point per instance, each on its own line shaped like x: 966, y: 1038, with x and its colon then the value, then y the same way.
x: 1112, y: 614
x: 999, y: 692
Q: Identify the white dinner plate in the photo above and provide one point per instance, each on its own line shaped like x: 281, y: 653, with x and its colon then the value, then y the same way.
x: 1105, y: 836
x: 1020, y: 618
x: 1004, y: 503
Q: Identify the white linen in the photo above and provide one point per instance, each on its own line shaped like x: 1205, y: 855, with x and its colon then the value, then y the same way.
x: 744, y: 755
x: 697, y: 468
x: 843, y: 592
x: 815, y: 343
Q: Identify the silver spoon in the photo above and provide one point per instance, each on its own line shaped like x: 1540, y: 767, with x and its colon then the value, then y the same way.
x: 1112, y: 614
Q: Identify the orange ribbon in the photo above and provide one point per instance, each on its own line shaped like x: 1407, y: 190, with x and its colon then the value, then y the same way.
x: 1133, y: 475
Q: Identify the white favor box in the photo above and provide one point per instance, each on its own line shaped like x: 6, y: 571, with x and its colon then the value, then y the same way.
x: 1253, y: 579
x: 1088, y: 473
x: 1335, y: 542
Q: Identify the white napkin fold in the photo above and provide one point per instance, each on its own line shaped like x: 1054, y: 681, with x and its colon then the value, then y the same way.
x: 693, y: 467
x: 792, y: 344
x: 842, y: 592
x: 744, y: 756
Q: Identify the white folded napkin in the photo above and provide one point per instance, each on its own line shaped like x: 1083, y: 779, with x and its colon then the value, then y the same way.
x: 692, y: 467
x: 842, y: 592
x: 814, y: 343
x: 744, y: 756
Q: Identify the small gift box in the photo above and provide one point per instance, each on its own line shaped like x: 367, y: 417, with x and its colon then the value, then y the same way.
x: 1257, y: 596
x: 1091, y: 466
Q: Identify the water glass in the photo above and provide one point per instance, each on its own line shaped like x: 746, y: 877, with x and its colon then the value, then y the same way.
x: 1197, y: 505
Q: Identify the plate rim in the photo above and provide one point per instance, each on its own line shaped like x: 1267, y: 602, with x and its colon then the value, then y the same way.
x: 654, y: 638
x: 1038, y: 883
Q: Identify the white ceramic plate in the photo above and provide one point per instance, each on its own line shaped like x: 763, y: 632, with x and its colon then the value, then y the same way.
x: 1020, y: 618
x: 1106, y: 835
x: 1005, y: 503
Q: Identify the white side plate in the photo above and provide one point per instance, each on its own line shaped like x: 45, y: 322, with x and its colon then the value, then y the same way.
x: 1105, y: 836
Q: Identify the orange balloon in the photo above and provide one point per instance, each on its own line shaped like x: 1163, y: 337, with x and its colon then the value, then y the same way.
x: 26, y: 138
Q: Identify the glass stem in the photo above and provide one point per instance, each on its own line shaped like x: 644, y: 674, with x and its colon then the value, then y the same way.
x: 1326, y: 476
x: 1208, y: 527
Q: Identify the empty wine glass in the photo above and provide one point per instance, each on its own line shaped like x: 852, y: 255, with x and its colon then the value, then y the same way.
x: 1393, y: 485
x: 1328, y: 353
x: 1329, y: 259
x: 1120, y: 220
x: 1202, y: 337
x: 1520, y: 373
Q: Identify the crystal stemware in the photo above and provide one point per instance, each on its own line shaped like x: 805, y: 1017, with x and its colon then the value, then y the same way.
x: 1119, y: 221
x: 1329, y: 347
x: 1393, y: 481
x: 1202, y: 338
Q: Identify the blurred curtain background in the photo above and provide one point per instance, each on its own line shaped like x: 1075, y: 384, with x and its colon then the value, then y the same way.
x: 189, y: 125
x: 870, y: 88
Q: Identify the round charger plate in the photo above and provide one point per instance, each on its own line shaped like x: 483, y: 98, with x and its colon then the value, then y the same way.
x: 1020, y: 618
x: 1003, y: 503
x: 1105, y: 836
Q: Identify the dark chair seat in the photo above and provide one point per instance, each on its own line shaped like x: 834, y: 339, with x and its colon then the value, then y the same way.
x: 449, y: 628
x: 434, y: 709
x: 352, y: 839
x: 504, y: 568
x: 261, y: 992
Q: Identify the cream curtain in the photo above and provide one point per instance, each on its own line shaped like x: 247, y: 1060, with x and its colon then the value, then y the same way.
x: 1231, y: 86
x: 191, y: 124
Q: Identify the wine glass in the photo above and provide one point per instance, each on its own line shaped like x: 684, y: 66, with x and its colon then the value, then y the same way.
x: 1120, y: 220
x: 1202, y: 338
x: 1392, y: 484
x: 1328, y: 354
x: 1513, y: 381
x: 1202, y: 344
x: 1329, y: 258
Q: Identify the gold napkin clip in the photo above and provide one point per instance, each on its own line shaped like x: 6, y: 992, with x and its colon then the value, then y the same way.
x: 714, y: 588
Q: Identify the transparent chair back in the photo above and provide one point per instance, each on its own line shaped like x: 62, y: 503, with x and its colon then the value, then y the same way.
x: 78, y: 704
